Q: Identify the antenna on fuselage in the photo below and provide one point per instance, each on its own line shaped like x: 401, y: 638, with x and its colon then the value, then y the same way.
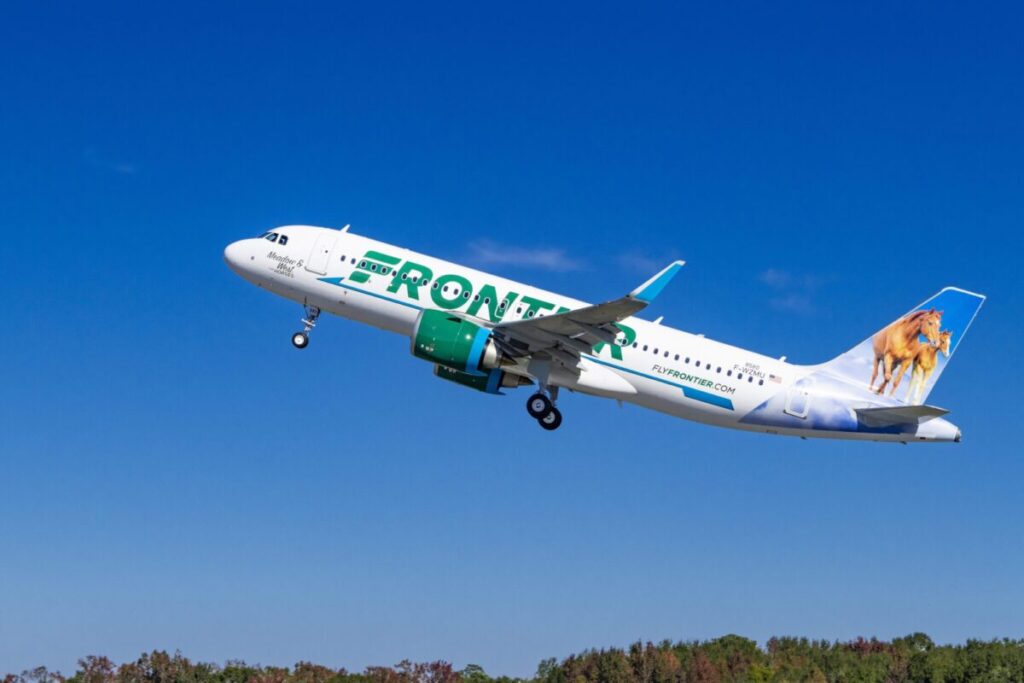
x: 347, y: 226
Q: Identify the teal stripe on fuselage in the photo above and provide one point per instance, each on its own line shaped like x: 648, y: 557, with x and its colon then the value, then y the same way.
x: 688, y: 392
x: 337, y: 281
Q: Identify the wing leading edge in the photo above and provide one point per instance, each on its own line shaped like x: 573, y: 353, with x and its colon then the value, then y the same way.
x: 565, y: 336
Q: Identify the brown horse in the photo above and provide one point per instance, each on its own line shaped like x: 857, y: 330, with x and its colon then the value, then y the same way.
x: 924, y: 364
x: 897, y: 345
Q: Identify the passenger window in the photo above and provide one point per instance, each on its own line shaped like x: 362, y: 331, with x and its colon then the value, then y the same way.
x: 677, y: 357
x: 750, y: 378
x: 760, y: 382
x: 655, y: 352
x: 634, y: 345
x: 645, y: 347
x: 729, y: 373
x: 666, y: 354
x: 343, y: 259
x: 687, y: 361
x: 719, y: 369
x: 465, y: 295
x: 529, y: 314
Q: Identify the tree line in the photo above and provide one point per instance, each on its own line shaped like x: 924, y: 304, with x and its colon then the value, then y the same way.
x: 729, y: 659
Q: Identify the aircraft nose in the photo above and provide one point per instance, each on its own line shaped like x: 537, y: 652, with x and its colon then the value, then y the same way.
x: 233, y: 255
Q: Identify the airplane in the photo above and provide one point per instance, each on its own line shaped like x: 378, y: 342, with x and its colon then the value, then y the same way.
x: 492, y: 334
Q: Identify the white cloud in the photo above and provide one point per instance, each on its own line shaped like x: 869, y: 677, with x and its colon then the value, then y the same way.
x: 121, y: 167
x: 642, y: 263
x: 793, y: 303
x: 489, y: 253
x: 776, y: 279
x: 794, y: 293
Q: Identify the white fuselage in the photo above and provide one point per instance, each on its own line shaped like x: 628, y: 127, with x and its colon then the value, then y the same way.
x: 668, y: 370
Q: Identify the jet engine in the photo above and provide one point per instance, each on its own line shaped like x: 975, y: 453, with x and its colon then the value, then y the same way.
x: 490, y: 382
x: 452, y: 342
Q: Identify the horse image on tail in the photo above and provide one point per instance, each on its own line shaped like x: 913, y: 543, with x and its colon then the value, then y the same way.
x: 898, y: 344
x: 924, y: 365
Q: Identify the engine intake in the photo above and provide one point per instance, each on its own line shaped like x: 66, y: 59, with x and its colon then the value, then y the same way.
x: 452, y: 342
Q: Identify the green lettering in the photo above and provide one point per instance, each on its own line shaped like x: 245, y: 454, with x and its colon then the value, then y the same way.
x: 371, y: 263
x: 488, y: 296
x: 449, y: 300
x: 535, y: 305
x: 628, y: 337
x: 410, y: 275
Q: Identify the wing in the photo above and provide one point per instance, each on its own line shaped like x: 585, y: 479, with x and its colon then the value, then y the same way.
x: 565, y: 336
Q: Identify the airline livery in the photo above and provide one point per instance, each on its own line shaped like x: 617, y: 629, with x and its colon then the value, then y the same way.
x: 488, y: 333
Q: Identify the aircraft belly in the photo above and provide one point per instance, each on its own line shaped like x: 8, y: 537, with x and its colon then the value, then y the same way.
x: 597, y: 380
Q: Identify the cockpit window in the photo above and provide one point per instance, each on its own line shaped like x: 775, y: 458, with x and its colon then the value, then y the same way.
x: 282, y: 240
x: 271, y: 236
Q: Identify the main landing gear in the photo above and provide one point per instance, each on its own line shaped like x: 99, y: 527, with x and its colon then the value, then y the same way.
x: 543, y: 410
x: 300, y: 340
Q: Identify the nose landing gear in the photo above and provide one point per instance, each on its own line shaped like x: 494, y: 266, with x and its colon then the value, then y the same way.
x: 300, y: 340
x: 543, y: 410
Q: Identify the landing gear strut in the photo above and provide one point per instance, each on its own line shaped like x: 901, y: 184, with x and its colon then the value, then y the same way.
x: 543, y: 410
x: 300, y: 340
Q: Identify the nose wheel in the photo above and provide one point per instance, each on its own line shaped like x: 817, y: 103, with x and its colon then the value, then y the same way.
x: 300, y: 340
x: 543, y: 410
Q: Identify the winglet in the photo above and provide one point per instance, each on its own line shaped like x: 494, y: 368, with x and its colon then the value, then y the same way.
x: 652, y: 288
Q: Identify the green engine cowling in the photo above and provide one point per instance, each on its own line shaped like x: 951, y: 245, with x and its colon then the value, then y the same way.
x: 452, y: 342
x: 490, y: 382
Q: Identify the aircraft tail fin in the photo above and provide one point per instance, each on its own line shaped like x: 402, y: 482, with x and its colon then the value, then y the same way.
x: 906, y: 357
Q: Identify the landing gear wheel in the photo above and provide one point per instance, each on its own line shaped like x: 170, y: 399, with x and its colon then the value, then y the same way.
x: 300, y: 340
x: 551, y: 421
x: 538, y: 406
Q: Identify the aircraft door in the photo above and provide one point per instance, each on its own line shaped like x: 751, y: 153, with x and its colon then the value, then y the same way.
x: 321, y: 253
x: 798, y: 399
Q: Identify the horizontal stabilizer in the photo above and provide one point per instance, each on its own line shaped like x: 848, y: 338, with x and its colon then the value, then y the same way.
x: 901, y: 415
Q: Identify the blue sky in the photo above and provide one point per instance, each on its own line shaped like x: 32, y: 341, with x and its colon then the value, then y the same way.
x: 175, y: 475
